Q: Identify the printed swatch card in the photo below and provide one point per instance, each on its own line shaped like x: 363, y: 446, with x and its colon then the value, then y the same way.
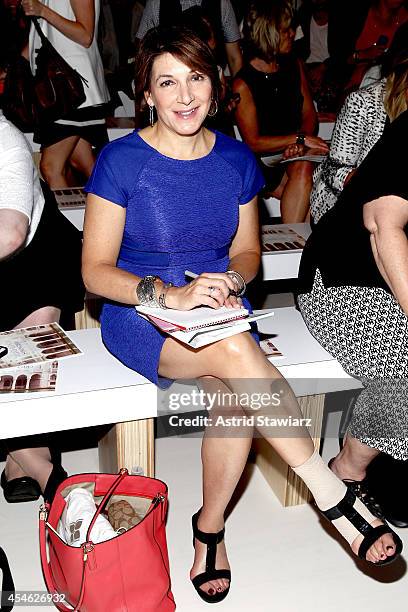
x: 37, y: 344
x: 70, y: 198
x: 30, y: 378
x: 277, y: 238
x: 269, y: 347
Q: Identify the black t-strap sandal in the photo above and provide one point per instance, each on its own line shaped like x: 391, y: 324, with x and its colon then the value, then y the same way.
x: 346, y: 508
x: 211, y: 539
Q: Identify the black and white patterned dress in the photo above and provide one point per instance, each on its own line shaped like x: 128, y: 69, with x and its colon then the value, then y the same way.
x: 359, y: 125
x: 367, y: 332
x: 349, y: 308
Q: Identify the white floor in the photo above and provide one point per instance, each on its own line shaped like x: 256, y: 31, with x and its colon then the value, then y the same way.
x: 283, y: 560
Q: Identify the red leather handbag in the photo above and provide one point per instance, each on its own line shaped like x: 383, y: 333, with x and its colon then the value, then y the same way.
x: 129, y: 573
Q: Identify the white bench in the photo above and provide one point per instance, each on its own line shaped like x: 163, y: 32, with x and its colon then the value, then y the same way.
x: 92, y: 389
x: 280, y: 265
x: 96, y: 389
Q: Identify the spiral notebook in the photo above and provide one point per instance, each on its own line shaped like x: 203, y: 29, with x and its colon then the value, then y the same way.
x: 197, y: 318
x: 204, y: 327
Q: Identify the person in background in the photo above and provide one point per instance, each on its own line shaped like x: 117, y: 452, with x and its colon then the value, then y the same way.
x: 313, y: 18
x: 276, y: 111
x: 176, y: 196
x: 360, y: 123
x: 40, y: 255
x: 71, y: 26
x: 358, y: 35
x: 222, y: 16
x: 353, y: 296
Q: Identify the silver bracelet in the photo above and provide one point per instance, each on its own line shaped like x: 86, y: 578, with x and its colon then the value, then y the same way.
x: 163, y: 294
x: 146, y: 292
x: 239, y: 281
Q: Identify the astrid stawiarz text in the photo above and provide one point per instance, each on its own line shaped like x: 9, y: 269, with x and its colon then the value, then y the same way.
x: 258, y: 420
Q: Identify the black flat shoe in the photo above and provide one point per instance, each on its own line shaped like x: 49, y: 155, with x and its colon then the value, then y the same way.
x: 20, y: 490
x: 211, y: 539
x: 346, y: 508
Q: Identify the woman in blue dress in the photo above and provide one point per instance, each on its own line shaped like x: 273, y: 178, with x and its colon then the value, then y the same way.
x: 177, y: 196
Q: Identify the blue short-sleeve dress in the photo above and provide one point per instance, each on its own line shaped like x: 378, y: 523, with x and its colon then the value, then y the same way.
x: 180, y: 214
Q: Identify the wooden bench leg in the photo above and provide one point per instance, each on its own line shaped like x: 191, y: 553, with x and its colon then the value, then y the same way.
x: 88, y: 318
x: 289, y: 488
x: 128, y: 445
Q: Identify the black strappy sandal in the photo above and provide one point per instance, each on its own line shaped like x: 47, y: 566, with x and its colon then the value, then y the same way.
x: 211, y: 539
x: 346, y: 508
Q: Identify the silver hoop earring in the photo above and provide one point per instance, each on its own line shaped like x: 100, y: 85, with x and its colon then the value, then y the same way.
x: 151, y: 115
x: 213, y: 109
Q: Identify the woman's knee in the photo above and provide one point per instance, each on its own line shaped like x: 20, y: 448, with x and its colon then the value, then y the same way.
x: 236, y: 351
x: 50, y: 167
x: 301, y: 171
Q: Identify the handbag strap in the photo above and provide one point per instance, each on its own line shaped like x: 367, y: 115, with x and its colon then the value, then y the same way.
x: 39, y: 30
x: 7, y: 586
x: 87, y: 546
x: 46, y: 42
x: 122, y: 474
x: 48, y: 579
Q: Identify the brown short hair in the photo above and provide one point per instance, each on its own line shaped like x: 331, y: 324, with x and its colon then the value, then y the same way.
x: 183, y: 44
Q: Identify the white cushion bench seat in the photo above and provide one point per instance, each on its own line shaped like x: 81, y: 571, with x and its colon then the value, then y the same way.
x: 92, y: 389
x: 96, y: 389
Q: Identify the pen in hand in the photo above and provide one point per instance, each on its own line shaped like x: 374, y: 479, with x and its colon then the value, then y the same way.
x: 190, y: 274
x: 194, y: 275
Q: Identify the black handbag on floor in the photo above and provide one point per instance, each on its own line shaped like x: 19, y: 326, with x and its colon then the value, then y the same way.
x: 7, y: 591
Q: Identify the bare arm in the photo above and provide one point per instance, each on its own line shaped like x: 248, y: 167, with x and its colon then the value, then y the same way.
x: 80, y: 31
x: 309, y: 115
x: 13, y: 231
x: 245, y: 250
x: 103, y: 231
x: 247, y: 120
x: 234, y: 57
x: 385, y: 219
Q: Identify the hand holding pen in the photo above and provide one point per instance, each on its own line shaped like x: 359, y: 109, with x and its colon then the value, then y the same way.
x: 219, y: 286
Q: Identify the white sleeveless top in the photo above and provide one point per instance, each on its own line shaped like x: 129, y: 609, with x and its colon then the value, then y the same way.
x: 86, y: 61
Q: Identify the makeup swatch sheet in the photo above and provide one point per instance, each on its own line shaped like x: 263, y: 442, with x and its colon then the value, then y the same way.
x: 30, y: 378
x: 37, y: 344
x: 277, y: 239
x: 70, y: 198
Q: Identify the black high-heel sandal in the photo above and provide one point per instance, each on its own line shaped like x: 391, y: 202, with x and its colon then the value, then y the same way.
x: 361, y: 489
x: 346, y: 508
x: 211, y: 539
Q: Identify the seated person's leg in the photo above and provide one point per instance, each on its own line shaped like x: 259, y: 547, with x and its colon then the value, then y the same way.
x: 295, y: 199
